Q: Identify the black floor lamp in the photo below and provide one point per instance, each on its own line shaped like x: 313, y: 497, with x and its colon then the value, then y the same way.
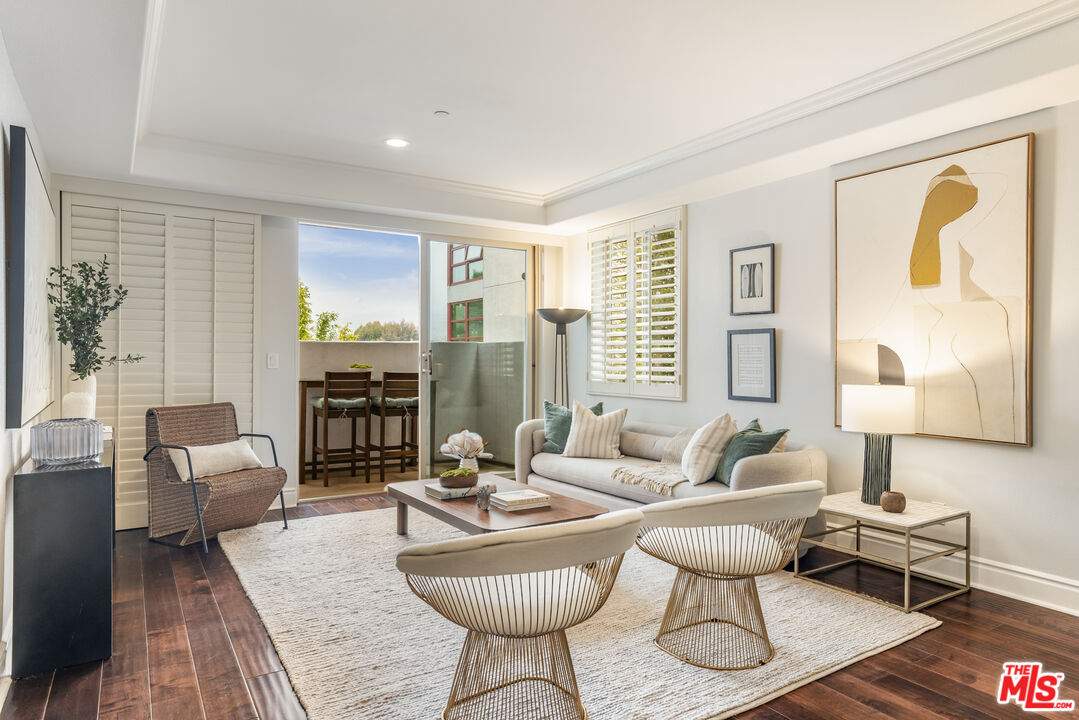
x: 561, y: 317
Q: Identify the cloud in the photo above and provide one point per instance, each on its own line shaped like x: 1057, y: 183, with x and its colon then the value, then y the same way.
x: 323, y: 242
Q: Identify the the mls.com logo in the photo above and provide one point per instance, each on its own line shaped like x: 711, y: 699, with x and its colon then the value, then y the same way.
x: 1030, y: 688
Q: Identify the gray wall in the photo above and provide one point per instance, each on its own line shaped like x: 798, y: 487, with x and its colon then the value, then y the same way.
x: 1023, y: 500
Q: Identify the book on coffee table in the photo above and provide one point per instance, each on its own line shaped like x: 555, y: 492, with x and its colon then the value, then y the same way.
x: 519, y: 500
x: 439, y: 492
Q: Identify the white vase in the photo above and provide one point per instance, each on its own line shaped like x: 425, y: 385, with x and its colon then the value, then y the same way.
x: 470, y: 463
x: 81, y: 399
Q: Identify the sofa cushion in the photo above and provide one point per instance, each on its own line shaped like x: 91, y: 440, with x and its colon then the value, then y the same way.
x: 595, y: 474
x: 701, y: 457
x: 556, y: 424
x: 594, y: 437
x: 746, y: 445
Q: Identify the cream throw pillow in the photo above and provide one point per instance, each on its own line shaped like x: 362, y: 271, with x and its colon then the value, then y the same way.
x: 592, y: 436
x: 215, y: 459
x: 705, y: 448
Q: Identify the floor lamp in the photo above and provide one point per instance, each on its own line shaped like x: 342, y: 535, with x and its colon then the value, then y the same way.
x: 561, y: 317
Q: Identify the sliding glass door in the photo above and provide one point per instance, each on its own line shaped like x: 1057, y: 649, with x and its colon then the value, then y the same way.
x: 476, y: 346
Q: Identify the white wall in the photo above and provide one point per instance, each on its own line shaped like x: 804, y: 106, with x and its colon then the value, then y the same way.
x: 15, y: 447
x: 1023, y: 500
x: 278, y: 311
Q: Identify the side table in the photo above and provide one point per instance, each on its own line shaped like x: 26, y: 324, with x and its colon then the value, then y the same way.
x: 917, y: 516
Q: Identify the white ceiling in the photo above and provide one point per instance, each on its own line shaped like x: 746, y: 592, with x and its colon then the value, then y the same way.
x: 546, y: 97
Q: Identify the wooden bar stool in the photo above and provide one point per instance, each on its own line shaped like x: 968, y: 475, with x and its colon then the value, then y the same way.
x: 399, y: 397
x: 345, y: 395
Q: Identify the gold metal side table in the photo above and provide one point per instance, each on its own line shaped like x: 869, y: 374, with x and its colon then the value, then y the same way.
x: 917, y: 516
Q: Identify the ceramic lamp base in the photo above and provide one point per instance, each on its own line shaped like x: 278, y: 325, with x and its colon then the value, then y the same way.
x: 876, y: 467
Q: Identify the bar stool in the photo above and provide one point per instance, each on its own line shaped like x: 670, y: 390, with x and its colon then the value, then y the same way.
x: 399, y: 397
x: 345, y: 395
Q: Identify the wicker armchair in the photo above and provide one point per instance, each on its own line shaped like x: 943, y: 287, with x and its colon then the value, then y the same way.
x: 720, y: 544
x: 206, y: 506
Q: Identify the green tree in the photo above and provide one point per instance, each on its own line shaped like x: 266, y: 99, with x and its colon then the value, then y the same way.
x: 325, y: 326
x: 305, y: 312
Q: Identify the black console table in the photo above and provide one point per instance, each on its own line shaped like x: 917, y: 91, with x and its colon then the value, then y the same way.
x: 62, y: 565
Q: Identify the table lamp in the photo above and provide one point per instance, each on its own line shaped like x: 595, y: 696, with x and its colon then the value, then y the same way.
x: 561, y: 317
x: 879, y: 411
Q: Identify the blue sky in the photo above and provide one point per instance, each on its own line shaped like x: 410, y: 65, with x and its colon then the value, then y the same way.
x: 362, y: 275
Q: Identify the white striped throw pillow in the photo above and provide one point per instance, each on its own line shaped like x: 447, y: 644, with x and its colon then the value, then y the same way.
x: 701, y: 457
x: 592, y: 436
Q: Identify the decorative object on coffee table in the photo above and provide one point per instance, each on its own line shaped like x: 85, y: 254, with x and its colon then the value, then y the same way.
x: 918, y: 516
x: 459, y: 477
x: 467, y: 447
x: 879, y: 411
x: 751, y: 365
x: 561, y: 317
x: 753, y: 280
x: 483, y: 497
x: 66, y: 441
x: 892, y: 501
x: 463, y: 514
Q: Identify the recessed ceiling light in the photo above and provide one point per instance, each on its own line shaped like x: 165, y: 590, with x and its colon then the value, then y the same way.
x: 442, y: 113
x: 397, y: 142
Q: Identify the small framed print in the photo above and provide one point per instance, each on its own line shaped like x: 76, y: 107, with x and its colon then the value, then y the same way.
x: 751, y: 365
x: 753, y: 280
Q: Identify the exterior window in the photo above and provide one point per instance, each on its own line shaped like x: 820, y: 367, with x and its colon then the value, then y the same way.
x: 466, y: 320
x: 635, y: 326
x: 465, y: 263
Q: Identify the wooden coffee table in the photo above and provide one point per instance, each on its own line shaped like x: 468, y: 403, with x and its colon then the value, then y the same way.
x: 463, y: 514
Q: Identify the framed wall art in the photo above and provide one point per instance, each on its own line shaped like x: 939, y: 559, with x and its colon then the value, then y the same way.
x: 31, y: 251
x: 933, y: 288
x: 753, y: 280
x: 751, y: 365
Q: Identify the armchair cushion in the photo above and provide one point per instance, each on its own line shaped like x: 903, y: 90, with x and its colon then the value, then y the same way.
x: 714, y: 549
x: 216, y: 459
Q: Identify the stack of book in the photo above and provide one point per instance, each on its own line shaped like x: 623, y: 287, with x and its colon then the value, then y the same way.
x: 436, y: 490
x: 513, y: 500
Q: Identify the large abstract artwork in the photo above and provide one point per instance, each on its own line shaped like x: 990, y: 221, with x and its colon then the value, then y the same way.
x: 933, y: 288
x: 31, y: 251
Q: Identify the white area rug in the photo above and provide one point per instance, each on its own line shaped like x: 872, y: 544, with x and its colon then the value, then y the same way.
x: 358, y: 644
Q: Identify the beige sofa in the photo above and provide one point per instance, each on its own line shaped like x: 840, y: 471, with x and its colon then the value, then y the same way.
x: 642, y: 446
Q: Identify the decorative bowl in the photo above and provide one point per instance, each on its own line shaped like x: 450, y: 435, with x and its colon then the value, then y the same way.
x: 458, y: 478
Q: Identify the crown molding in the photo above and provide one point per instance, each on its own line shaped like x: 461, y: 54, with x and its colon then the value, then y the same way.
x: 1014, y: 28
x: 151, y: 50
x: 1020, y: 26
x: 179, y: 144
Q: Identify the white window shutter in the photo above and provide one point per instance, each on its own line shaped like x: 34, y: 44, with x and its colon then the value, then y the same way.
x: 636, y: 325
x: 610, y: 320
x: 190, y: 311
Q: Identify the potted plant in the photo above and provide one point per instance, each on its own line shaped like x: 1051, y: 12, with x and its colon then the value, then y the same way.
x: 82, y: 298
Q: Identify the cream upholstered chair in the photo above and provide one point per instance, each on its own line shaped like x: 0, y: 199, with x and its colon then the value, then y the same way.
x: 516, y: 592
x: 720, y: 543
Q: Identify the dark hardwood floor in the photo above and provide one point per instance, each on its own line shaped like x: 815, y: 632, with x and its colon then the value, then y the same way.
x: 188, y: 644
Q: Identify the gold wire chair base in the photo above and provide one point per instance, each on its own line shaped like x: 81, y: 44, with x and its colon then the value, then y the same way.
x: 715, y: 623
x: 510, y: 677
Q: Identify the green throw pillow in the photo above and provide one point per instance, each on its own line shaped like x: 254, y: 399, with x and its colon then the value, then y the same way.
x: 753, y: 426
x: 556, y: 422
x: 746, y: 444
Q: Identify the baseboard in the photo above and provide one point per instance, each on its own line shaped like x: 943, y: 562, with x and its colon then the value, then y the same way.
x: 292, y: 496
x: 1033, y: 586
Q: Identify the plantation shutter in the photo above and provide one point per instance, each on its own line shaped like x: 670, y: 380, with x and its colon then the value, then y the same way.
x: 610, y: 317
x: 637, y: 308
x: 190, y: 311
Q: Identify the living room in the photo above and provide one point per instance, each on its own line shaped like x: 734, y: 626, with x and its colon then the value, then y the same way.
x: 819, y: 283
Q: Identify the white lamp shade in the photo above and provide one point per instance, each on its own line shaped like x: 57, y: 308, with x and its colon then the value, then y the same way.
x: 880, y: 409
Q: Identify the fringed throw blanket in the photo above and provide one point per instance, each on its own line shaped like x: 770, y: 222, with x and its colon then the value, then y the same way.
x: 663, y: 477
x: 659, y: 478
